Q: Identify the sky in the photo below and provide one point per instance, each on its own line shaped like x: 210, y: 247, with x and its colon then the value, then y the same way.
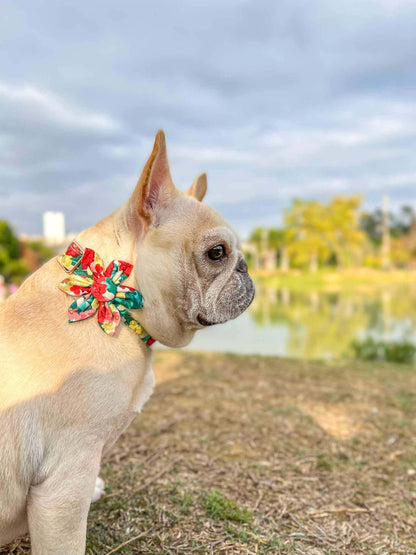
x: 274, y: 100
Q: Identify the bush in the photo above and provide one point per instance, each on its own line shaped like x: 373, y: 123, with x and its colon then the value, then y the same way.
x: 372, y: 350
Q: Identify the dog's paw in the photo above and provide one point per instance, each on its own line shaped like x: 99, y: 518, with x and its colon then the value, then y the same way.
x: 99, y: 491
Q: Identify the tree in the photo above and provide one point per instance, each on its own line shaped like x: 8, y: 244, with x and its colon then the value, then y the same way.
x: 307, y: 233
x: 319, y: 232
x: 371, y: 223
x: 9, y: 243
x: 269, y: 243
x: 346, y: 237
x: 11, y: 266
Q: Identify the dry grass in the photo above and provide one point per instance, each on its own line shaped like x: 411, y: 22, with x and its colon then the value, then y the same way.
x: 239, y: 455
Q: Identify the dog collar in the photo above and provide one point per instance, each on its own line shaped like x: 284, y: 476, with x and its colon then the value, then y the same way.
x: 99, y: 290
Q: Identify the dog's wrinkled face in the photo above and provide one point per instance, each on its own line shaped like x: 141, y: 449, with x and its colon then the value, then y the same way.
x: 218, y: 285
x: 194, y: 273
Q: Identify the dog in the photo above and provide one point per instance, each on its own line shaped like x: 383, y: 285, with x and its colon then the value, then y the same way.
x: 67, y: 391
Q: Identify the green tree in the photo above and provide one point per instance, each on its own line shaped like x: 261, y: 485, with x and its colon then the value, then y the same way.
x: 11, y: 266
x: 9, y: 243
x: 400, y: 223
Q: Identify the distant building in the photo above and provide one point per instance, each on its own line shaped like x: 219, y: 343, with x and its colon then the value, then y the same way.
x: 54, y: 228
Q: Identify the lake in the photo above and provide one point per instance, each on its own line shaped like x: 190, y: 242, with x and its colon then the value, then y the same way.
x: 316, y: 324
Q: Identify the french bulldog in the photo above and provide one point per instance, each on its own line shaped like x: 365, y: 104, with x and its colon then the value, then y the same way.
x: 67, y: 391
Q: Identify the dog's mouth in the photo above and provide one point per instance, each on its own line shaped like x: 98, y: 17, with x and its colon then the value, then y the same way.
x: 204, y: 322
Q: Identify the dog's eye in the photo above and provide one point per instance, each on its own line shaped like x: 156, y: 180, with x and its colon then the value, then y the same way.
x: 216, y: 253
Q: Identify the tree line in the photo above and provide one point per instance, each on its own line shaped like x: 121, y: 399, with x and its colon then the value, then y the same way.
x: 314, y: 235
x: 18, y: 258
x: 336, y: 234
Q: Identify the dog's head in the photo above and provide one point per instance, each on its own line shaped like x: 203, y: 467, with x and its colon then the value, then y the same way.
x: 189, y: 266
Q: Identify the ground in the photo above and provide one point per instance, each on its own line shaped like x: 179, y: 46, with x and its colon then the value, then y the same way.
x: 241, y: 455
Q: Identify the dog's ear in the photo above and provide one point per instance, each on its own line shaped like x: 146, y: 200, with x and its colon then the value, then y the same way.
x: 198, y: 188
x: 155, y: 188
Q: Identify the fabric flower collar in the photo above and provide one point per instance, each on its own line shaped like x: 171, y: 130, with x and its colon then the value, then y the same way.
x: 100, y: 291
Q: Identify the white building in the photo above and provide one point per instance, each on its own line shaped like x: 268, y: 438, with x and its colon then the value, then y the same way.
x: 54, y: 228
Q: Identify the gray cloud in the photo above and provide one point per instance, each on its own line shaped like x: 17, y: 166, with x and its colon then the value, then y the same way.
x: 273, y: 99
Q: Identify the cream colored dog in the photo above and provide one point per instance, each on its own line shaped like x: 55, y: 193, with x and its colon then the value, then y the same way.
x: 67, y: 391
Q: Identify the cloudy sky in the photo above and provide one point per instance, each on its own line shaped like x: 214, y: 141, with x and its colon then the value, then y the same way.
x: 274, y: 100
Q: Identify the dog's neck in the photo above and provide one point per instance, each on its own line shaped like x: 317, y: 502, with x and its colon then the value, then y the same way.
x: 118, y: 236
x: 112, y: 237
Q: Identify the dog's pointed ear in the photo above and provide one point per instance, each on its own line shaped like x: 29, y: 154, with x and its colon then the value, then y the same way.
x: 155, y: 188
x: 198, y: 188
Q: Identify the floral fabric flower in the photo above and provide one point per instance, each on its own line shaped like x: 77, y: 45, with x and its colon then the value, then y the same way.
x: 98, y: 290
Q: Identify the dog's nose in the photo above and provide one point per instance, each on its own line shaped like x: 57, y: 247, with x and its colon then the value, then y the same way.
x: 242, y: 266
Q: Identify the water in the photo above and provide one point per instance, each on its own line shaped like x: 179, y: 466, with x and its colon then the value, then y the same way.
x: 317, y: 324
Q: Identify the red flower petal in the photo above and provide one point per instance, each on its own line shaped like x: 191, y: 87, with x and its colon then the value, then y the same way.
x: 79, y: 289
x: 109, y: 269
x: 123, y: 267
x: 104, y: 313
x: 87, y: 259
x: 73, y: 250
x: 126, y: 267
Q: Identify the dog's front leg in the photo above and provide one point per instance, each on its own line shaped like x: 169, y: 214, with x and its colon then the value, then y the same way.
x: 58, y: 507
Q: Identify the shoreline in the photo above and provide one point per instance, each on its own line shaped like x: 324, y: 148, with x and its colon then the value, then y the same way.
x: 345, y: 280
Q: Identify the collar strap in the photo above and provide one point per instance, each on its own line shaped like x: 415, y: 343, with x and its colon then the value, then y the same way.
x: 100, y: 291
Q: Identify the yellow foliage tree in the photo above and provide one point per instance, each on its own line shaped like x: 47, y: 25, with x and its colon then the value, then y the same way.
x: 317, y: 231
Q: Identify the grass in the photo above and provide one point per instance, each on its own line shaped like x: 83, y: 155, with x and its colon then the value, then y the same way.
x: 242, y: 455
x: 371, y: 350
x: 218, y: 507
x: 354, y: 279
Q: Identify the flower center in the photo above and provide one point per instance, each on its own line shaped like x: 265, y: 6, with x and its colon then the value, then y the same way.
x: 103, y: 289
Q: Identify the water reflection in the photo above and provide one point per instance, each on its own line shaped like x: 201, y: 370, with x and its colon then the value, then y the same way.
x: 322, y: 324
x: 315, y: 324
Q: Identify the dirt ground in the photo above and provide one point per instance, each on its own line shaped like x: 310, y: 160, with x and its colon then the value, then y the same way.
x: 252, y: 455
